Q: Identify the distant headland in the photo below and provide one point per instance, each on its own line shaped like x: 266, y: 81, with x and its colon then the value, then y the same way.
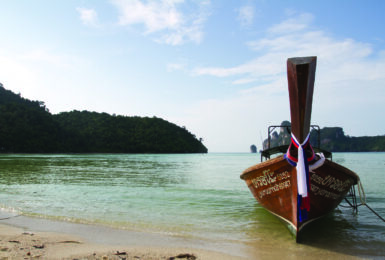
x: 28, y: 127
x: 332, y: 139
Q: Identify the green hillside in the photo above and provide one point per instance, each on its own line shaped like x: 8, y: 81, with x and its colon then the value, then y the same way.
x: 27, y: 127
x: 335, y: 140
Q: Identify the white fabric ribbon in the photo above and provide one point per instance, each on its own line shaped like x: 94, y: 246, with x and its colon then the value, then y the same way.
x: 318, y: 163
x: 301, y: 169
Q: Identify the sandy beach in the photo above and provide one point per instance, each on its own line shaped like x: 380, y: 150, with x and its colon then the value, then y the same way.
x: 19, y: 243
x: 24, y: 237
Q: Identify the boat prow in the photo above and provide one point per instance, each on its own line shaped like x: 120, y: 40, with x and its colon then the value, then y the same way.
x: 299, y: 186
x: 274, y: 185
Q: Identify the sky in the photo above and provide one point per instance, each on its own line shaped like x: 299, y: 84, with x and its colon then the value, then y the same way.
x: 216, y: 67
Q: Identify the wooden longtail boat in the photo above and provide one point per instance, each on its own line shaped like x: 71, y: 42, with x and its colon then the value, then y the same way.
x: 299, y: 186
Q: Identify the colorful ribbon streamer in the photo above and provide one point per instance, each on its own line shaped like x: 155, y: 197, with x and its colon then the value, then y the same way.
x: 303, y: 179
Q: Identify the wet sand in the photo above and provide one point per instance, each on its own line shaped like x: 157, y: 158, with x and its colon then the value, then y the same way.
x: 17, y: 243
x: 24, y: 237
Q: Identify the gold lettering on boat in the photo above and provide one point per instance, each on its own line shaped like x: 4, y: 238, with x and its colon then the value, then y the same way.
x: 283, y: 175
x: 331, y: 182
x: 324, y: 193
x: 265, y: 179
x: 275, y: 188
x: 276, y: 181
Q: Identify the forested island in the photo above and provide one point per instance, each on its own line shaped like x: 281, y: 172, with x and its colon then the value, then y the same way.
x: 332, y: 139
x: 28, y: 127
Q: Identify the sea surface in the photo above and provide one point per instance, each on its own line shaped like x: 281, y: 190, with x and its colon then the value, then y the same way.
x: 197, y: 196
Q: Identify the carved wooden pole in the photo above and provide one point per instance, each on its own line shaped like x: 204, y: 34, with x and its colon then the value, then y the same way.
x: 301, y: 75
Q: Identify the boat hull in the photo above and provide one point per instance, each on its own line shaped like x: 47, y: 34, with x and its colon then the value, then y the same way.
x: 274, y: 185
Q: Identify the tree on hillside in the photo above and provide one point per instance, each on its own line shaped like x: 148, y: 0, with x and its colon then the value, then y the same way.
x: 27, y: 126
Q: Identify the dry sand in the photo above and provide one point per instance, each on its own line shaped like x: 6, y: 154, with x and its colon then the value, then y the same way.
x: 16, y: 243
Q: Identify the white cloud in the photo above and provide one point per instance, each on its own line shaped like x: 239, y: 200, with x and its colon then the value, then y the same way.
x: 342, y: 58
x: 254, y: 70
x: 154, y: 15
x: 88, y: 16
x: 246, y: 15
x: 348, y: 85
x: 164, y: 19
x: 291, y: 25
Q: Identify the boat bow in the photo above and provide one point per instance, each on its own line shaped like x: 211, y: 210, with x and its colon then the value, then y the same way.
x: 300, y: 186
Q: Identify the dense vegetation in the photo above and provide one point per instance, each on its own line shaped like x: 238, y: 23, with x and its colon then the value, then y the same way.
x: 28, y: 127
x: 334, y: 139
x: 331, y: 139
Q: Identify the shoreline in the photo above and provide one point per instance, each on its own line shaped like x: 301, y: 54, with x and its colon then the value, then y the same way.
x: 24, y: 237
x: 35, y: 238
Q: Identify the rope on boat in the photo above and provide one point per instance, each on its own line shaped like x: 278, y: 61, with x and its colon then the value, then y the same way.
x: 375, y: 212
x: 362, y: 194
x: 363, y: 200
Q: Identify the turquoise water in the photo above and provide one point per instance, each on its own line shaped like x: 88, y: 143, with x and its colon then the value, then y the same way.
x: 189, y: 195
